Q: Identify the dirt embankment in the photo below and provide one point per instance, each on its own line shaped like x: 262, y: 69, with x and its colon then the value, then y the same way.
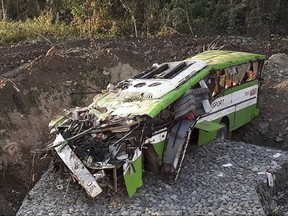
x: 39, y: 80
x: 37, y: 89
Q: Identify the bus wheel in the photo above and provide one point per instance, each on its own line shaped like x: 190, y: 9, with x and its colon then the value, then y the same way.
x: 167, y: 169
x: 222, y: 133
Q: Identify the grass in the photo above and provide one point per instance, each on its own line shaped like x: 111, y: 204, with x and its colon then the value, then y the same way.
x: 33, y: 29
x: 42, y: 28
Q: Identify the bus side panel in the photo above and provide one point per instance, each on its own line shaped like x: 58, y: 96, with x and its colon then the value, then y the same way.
x: 159, y: 149
x: 245, y: 99
x: 244, y: 115
x: 231, y: 120
x: 132, y: 172
x: 205, y: 136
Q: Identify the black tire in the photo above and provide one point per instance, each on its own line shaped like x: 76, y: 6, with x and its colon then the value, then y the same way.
x: 167, y: 169
x: 222, y: 133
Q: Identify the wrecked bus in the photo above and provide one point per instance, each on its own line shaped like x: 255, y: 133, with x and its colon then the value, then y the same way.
x: 148, y: 121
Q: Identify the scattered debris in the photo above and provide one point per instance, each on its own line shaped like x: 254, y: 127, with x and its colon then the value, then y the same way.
x: 278, y: 139
x: 2, y: 83
x: 274, y: 165
x: 227, y: 165
x: 277, y: 155
x: 14, y: 86
x: 59, y: 187
x: 220, y: 174
x: 270, y: 178
x: 51, y: 52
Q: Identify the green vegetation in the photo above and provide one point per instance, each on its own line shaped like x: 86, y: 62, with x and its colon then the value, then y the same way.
x: 13, y: 31
x: 59, y: 19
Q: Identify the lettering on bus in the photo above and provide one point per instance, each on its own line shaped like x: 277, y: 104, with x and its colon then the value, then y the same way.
x: 217, y: 103
x: 253, y: 91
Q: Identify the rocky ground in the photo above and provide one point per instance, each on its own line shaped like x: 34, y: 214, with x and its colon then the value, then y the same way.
x: 220, y: 178
x: 37, y: 80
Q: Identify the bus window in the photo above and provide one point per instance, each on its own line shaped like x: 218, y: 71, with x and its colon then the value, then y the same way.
x: 212, y: 83
x: 228, y: 80
x: 238, y: 77
x: 252, y: 72
x: 222, y: 78
x: 255, y: 67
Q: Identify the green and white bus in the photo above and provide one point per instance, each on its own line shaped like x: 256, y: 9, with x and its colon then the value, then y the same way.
x: 148, y: 121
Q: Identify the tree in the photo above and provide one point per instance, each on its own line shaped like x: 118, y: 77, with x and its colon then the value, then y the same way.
x: 3, y: 10
x: 131, y: 7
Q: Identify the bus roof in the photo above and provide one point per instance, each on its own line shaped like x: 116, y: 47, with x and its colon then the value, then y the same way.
x: 215, y: 59
x: 218, y: 59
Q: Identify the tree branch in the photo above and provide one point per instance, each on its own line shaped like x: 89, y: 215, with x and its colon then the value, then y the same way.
x: 3, y: 10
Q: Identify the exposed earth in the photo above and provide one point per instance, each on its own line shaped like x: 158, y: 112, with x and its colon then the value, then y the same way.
x: 37, y: 80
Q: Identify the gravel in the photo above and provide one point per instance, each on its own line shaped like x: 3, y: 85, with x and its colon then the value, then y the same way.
x: 204, y: 187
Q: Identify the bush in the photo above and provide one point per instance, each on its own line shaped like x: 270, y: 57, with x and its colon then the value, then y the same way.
x: 34, y: 29
x: 61, y: 19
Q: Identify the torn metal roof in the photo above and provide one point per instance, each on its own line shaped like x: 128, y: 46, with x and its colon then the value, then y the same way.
x: 222, y: 58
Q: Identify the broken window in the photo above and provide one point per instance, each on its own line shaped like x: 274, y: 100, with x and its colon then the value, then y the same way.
x: 228, y: 79
x: 222, y: 78
x: 212, y: 83
x: 241, y: 70
x: 245, y: 72
x: 218, y: 81
x: 252, y: 72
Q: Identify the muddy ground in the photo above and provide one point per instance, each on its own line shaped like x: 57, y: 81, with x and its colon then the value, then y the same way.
x: 37, y: 80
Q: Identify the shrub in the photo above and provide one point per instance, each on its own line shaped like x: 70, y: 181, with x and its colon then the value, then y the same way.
x: 32, y: 29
